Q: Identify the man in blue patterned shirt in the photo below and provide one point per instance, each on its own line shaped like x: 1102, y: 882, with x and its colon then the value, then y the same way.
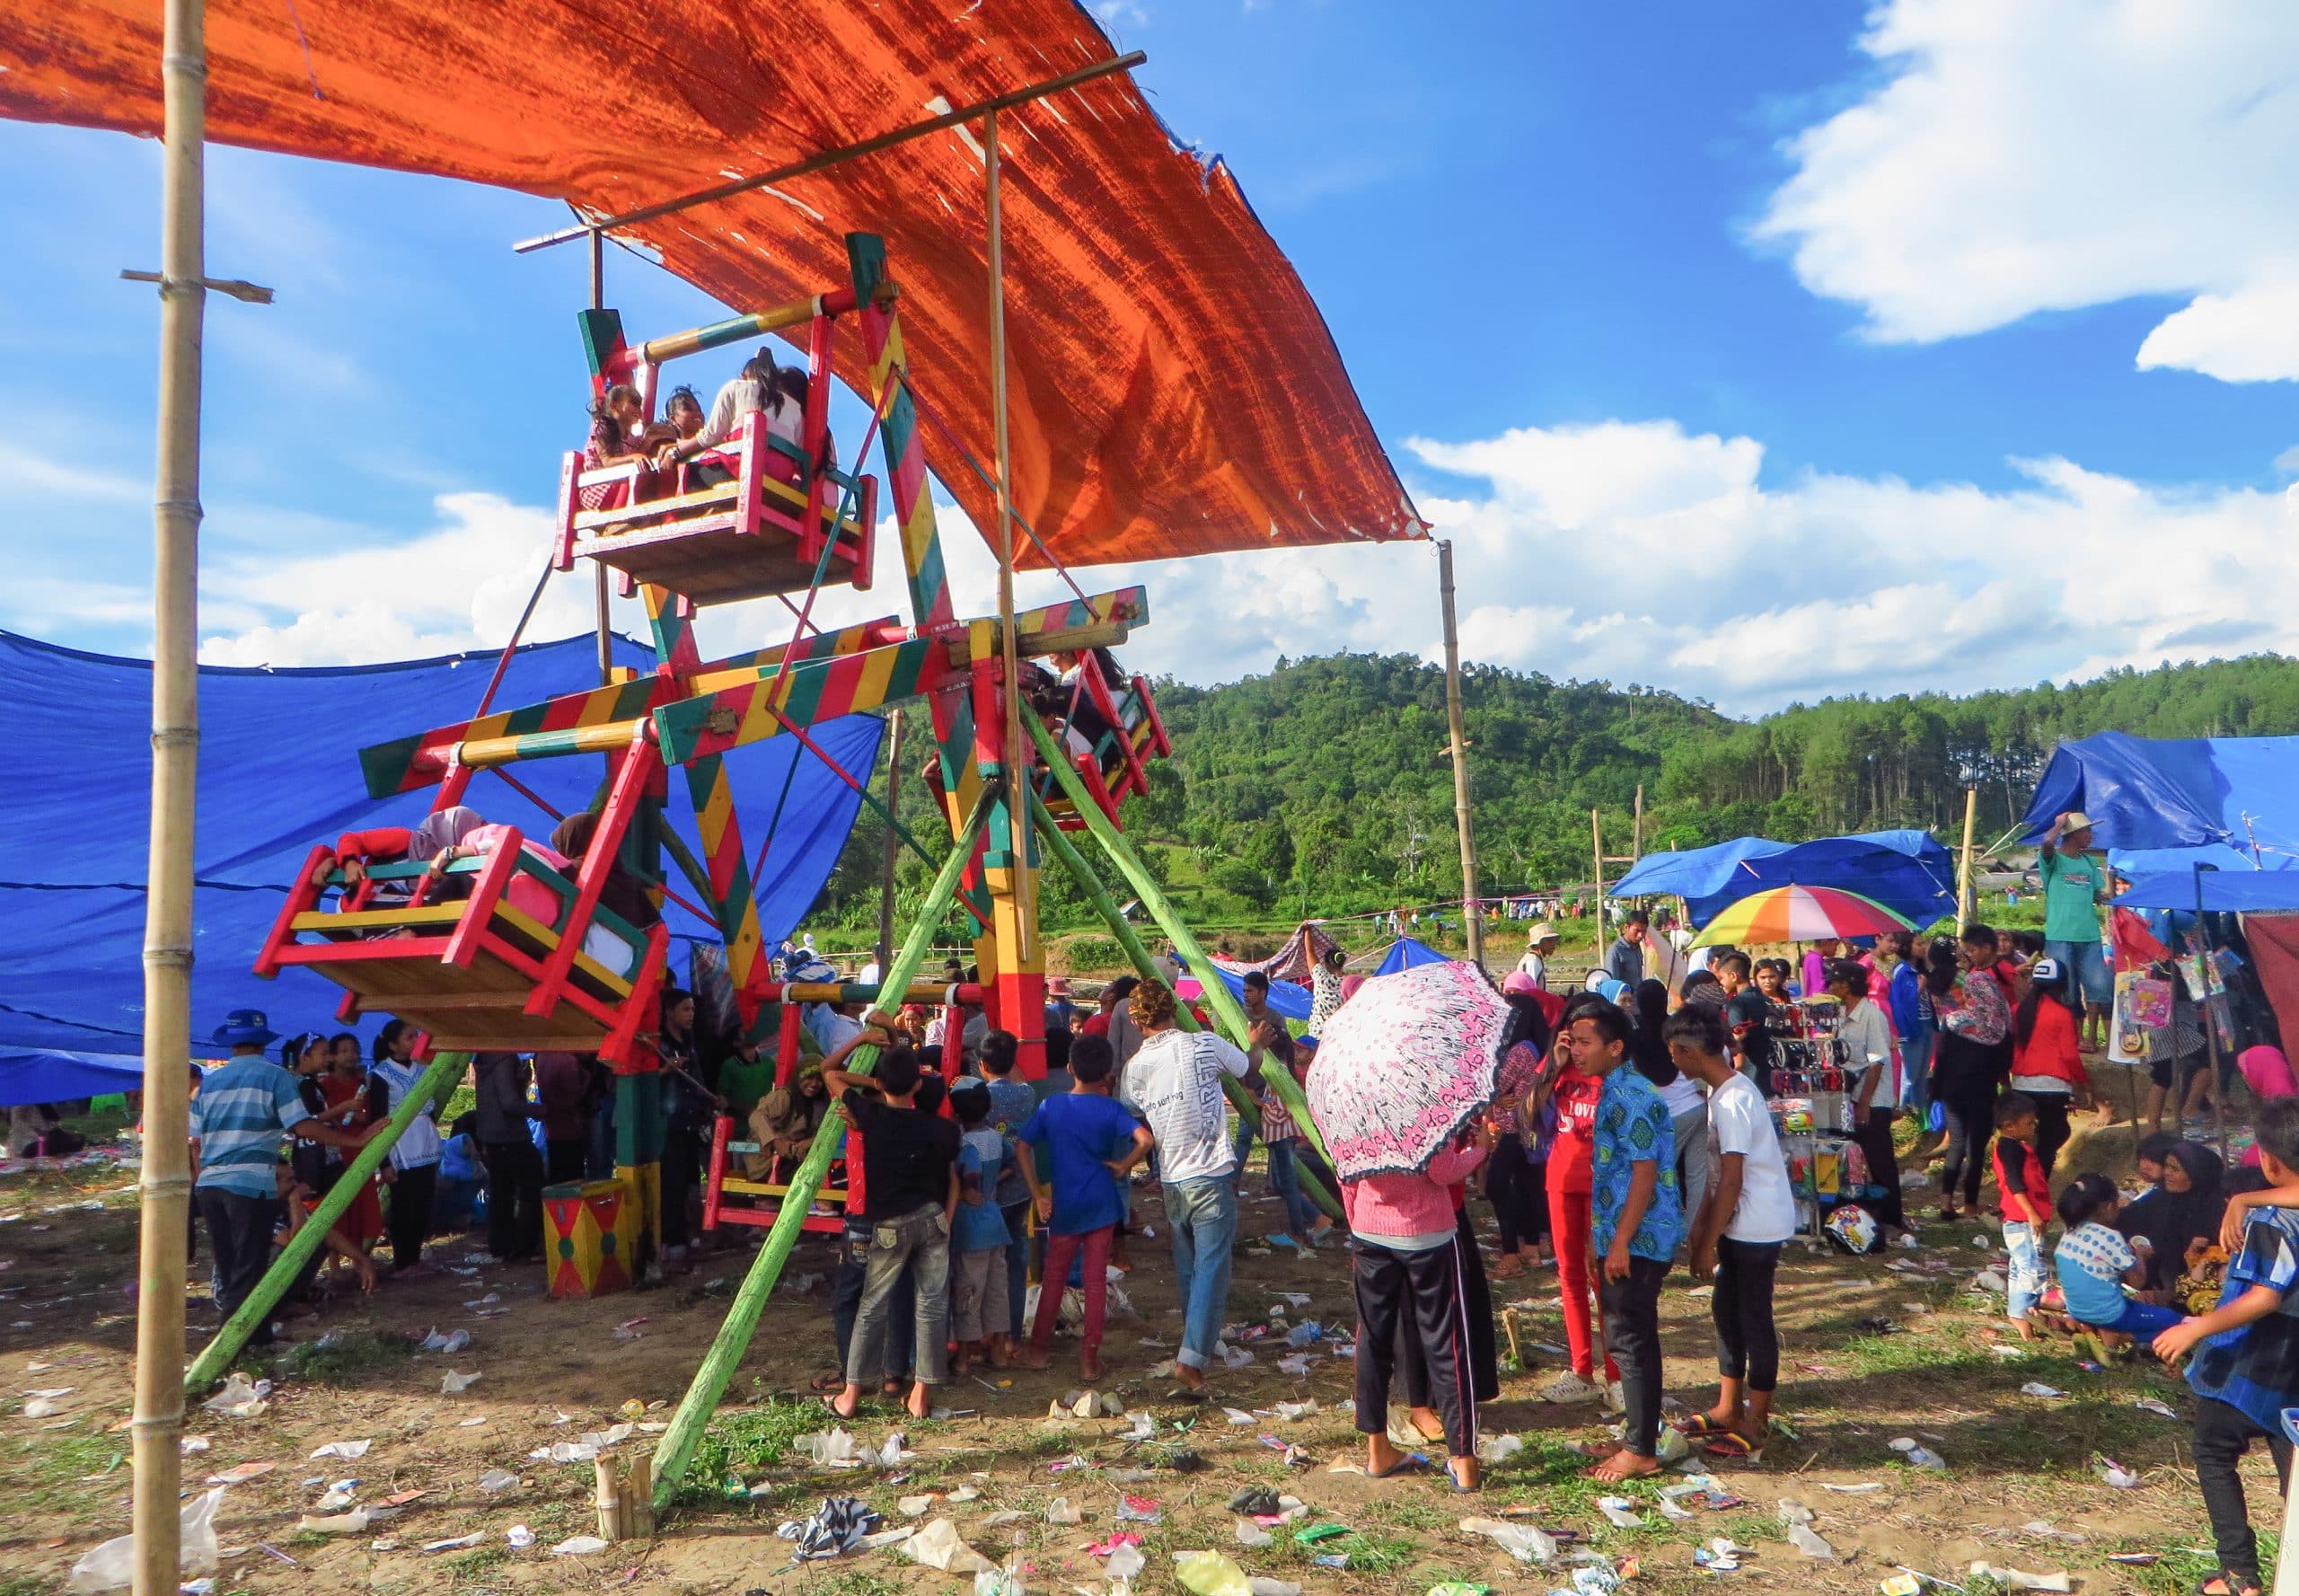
x: 1637, y: 1219
x: 2245, y: 1367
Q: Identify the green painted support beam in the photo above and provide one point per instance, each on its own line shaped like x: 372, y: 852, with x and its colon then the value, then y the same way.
x: 1153, y: 897
x: 1105, y: 905
x: 217, y: 1356
x: 676, y: 1450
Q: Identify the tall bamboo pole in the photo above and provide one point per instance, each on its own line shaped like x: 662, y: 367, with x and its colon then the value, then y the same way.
x: 1161, y: 910
x: 217, y: 1356
x: 885, y: 945
x: 1018, y: 768
x: 166, y: 1178
x: 1472, y: 910
x: 1964, y: 860
x: 676, y: 1449
x: 1138, y: 953
x: 1597, y: 846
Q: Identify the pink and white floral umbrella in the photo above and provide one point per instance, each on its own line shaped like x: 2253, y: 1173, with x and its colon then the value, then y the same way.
x: 1403, y: 1065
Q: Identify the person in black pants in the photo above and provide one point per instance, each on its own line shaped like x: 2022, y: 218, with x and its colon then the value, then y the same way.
x: 513, y: 1167
x: 1970, y: 1058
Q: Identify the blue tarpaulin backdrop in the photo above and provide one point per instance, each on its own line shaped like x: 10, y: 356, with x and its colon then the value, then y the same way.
x: 2169, y: 803
x: 1906, y: 871
x: 279, y: 772
x: 1405, y: 953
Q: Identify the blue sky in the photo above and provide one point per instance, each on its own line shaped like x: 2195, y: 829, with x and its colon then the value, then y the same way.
x: 1760, y: 353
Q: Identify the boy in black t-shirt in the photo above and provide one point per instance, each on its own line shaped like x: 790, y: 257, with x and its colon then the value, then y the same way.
x: 910, y: 1169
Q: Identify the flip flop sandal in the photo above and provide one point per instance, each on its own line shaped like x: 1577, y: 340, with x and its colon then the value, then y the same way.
x: 2229, y: 1585
x: 823, y: 1384
x: 1727, y: 1445
x: 1699, y: 1425
x: 1454, y: 1480
x: 1408, y: 1464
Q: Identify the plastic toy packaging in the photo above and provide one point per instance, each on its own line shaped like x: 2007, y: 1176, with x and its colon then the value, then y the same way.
x: 1852, y: 1228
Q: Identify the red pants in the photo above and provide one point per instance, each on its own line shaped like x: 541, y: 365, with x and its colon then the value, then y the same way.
x: 1060, y: 1251
x: 1568, y: 1216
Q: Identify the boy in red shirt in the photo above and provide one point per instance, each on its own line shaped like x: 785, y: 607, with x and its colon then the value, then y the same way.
x: 1571, y: 1177
x: 2023, y: 1192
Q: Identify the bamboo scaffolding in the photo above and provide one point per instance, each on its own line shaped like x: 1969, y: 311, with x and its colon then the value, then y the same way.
x: 1153, y: 897
x: 217, y: 1356
x: 1964, y: 860
x: 166, y: 1180
x: 885, y: 947
x: 1105, y: 904
x: 1018, y: 828
x: 676, y: 1449
x: 1472, y: 910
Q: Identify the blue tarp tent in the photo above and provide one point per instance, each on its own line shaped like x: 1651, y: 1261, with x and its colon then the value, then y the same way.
x: 1404, y: 953
x: 279, y: 772
x: 2167, y: 804
x: 2244, y: 891
x: 35, y: 1076
x: 1286, y: 998
x: 1906, y: 871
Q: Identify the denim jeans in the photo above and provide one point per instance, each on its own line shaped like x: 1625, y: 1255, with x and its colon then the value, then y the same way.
x: 2026, y: 1278
x: 920, y: 1242
x: 1018, y: 1260
x: 1300, y: 1214
x: 1203, y: 1217
x: 1240, y: 1146
x: 846, y: 1301
x: 1916, y: 1067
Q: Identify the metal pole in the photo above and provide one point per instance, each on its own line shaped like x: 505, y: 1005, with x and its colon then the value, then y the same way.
x: 885, y: 948
x: 1964, y: 860
x: 1017, y: 767
x: 1472, y: 910
x: 166, y: 1179
x: 598, y: 567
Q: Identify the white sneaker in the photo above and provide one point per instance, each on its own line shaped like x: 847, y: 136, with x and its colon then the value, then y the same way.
x: 1615, y: 1399
x: 1569, y: 1387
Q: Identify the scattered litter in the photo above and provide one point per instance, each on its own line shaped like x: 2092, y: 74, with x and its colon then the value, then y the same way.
x: 1139, y: 1509
x: 1317, y: 1532
x: 1917, y: 1455
x: 489, y: 1301
x: 2020, y: 1579
x: 578, y: 1546
x: 1144, y: 1428
x: 1328, y: 1560
x: 2133, y: 1559
x: 111, y: 1566
x: 1001, y: 1518
x: 937, y: 1546
x: 2035, y: 1388
x: 1252, y: 1535
x: 339, y: 1496
x: 194, y: 1443
x: 1620, y: 1512
x: 1669, y: 1509
x: 833, y: 1448
x: 1238, y: 1415
x: 1061, y: 1510
x: 1210, y: 1573
x: 2160, y: 1409
x: 1867, y: 1485
x: 911, y: 1507
x: 1296, y: 1364
x: 460, y: 1543
x: 354, y: 1523
x: 349, y: 1451
x: 1521, y: 1541
x: 1233, y: 1357
x: 1810, y: 1544
x: 455, y: 1384
x: 239, y: 1399
x: 2042, y: 1528
x: 1064, y: 1465
x: 238, y: 1474
x: 1290, y: 1411
x: 1497, y: 1448
x: 454, y: 1340
x: 2118, y: 1475
x: 1272, y: 1587
x: 1793, y: 1511
x: 837, y: 1525
x: 1720, y: 1556
x: 520, y: 1535
x: 896, y: 1452
x: 472, y: 1423
x: 40, y: 1408
x: 496, y: 1481
x: 965, y: 1493
x: 1124, y: 1563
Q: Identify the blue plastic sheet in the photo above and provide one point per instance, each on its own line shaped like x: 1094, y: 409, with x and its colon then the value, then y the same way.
x: 34, y: 1076
x: 279, y: 772
x: 1405, y: 953
x: 1906, y: 871
x: 2244, y: 891
x: 2160, y: 804
x: 1288, y: 1000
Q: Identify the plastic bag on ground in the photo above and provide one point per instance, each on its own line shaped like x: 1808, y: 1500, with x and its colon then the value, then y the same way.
x: 2020, y: 1579
x: 999, y: 1582
x: 1210, y: 1573
x: 1498, y: 1449
x: 1251, y: 1535
x: 1124, y: 1563
x: 455, y: 1384
x: 1060, y: 1512
x: 830, y: 1450
x: 937, y: 1545
x: 239, y: 1399
x: 1272, y: 1587
x: 578, y: 1546
x: 1810, y: 1544
x: 111, y: 1566
x: 1521, y: 1541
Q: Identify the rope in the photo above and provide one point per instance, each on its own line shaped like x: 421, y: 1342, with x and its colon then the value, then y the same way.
x: 503, y: 663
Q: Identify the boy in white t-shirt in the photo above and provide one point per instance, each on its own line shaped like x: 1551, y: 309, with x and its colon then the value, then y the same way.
x: 1748, y: 1214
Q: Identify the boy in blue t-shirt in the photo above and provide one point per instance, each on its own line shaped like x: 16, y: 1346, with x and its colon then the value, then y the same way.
x: 978, y: 1239
x: 1089, y: 1144
x: 2245, y: 1363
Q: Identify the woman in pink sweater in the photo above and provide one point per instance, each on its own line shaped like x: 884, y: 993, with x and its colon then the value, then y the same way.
x: 1407, y: 1267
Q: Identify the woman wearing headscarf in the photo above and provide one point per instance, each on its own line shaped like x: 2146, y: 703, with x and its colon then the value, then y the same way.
x: 2185, y: 1209
x: 1647, y: 1055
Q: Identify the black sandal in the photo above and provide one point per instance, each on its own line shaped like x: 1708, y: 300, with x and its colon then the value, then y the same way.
x: 2229, y: 1585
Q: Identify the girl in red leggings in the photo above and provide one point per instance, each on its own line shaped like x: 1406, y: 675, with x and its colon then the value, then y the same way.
x: 1575, y: 1096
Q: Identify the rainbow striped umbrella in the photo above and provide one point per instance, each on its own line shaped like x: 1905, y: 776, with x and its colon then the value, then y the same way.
x: 1799, y: 915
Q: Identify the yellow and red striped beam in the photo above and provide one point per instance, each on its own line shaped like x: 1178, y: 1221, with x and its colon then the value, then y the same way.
x: 822, y: 689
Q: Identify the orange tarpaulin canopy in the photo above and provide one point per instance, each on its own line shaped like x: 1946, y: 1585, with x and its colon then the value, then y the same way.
x: 1173, y: 389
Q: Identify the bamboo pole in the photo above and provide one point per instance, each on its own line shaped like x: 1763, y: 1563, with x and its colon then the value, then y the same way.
x: 1161, y: 910
x: 1596, y: 845
x: 1138, y: 953
x: 1026, y: 919
x: 885, y: 945
x: 1472, y: 910
x: 166, y: 1180
x: 1964, y: 860
x: 675, y: 1450
x: 217, y: 1356
x: 1636, y: 828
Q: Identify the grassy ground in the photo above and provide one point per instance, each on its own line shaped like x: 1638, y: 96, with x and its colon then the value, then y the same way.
x: 553, y: 1369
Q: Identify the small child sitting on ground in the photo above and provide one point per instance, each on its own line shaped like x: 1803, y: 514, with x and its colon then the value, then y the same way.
x: 2095, y: 1263
x: 2025, y: 1198
x: 978, y: 1299
x: 2245, y: 1366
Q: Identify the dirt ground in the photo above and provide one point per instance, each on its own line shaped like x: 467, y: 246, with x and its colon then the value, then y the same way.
x: 551, y: 1370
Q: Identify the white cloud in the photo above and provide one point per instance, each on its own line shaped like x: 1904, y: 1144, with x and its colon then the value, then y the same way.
x: 2057, y: 154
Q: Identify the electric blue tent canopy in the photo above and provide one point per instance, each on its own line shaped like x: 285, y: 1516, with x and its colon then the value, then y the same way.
x: 2160, y: 804
x: 36, y: 1076
x: 2244, y: 891
x: 1287, y: 999
x: 279, y: 772
x: 1405, y: 953
x: 1906, y: 871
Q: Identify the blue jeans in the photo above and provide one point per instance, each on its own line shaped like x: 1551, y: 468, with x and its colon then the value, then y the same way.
x: 1915, y: 1063
x: 1239, y: 1146
x: 1203, y: 1217
x: 915, y: 1245
x: 1300, y: 1214
x: 2026, y: 1280
x: 2141, y: 1320
x: 846, y: 1301
x: 2087, y: 961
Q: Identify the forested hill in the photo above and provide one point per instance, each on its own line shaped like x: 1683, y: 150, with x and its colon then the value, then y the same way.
x: 1324, y: 786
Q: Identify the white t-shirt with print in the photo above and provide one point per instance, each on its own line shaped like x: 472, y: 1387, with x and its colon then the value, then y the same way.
x: 1174, y: 1082
x: 1738, y: 1122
